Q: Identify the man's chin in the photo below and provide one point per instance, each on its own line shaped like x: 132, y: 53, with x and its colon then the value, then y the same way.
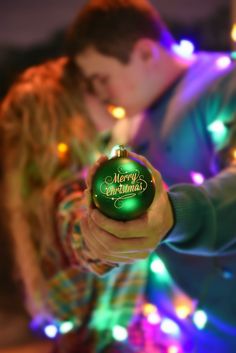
x: 131, y: 112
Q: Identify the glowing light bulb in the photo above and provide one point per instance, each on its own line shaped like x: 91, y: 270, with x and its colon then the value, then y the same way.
x: 234, y: 153
x: 200, y: 319
x: 223, y: 62
x: 217, y: 127
x: 117, y: 112
x: 158, y: 266
x: 119, y: 333
x: 62, y: 147
x: 183, y: 304
x: 51, y: 331
x: 154, y: 318
x: 170, y: 327
x: 62, y: 151
x: 185, y: 48
x: 197, y: 178
x: 218, y: 131
x: 173, y: 349
x: 233, y: 32
x: 233, y: 55
x: 183, y: 311
x: 66, y: 326
x: 149, y: 308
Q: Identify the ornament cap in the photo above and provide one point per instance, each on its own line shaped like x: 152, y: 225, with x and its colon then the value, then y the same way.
x: 121, y: 152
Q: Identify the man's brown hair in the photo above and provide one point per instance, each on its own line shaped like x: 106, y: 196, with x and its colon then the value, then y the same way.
x: 113, y: 27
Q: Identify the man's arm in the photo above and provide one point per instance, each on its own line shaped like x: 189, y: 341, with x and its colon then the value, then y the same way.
x: 205, y: 216
x: 188, y: 218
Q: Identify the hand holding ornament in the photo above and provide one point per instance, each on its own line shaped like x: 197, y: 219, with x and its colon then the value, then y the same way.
x: 116, y: 241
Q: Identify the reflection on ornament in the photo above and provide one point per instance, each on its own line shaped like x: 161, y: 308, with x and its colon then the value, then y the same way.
x: 122, y: 187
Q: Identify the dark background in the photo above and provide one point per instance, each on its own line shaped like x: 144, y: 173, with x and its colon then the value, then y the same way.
x: 32, y: 31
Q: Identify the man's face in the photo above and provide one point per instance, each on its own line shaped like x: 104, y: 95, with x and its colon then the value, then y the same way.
x: 116, y: 83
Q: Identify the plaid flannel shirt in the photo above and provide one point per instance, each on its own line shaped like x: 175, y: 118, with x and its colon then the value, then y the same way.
x: 80, y: 296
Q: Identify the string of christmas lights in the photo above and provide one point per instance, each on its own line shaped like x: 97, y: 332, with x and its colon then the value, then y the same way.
x: 166, y: 328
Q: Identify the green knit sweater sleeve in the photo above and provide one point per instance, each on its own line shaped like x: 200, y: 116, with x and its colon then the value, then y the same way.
x: 205, y: 216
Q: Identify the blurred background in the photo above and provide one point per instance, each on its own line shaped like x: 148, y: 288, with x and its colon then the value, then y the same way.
x: 33, y: 31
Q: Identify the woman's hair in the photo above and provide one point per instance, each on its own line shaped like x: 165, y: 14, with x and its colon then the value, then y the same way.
x: 112, y: 27
x: 46, y: 138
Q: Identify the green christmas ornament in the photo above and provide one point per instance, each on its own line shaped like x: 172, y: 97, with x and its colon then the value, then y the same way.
x: 122, y: 188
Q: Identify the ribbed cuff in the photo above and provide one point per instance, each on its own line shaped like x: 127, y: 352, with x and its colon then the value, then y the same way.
x: 188, y: 203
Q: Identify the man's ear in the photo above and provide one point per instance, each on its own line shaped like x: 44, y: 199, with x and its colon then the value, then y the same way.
x: 147, y: 49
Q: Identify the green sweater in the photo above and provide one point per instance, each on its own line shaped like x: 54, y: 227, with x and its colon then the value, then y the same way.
x: 190, y: 130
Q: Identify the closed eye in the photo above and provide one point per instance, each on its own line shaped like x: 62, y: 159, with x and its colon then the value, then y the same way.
x: 95, y: 82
